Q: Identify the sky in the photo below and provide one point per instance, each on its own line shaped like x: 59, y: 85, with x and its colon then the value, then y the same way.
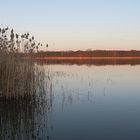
x: 76, y: 24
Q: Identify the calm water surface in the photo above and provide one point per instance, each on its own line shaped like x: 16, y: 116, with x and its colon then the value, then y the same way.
x: 81, y: 103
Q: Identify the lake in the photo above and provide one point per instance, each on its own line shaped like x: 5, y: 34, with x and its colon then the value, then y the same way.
x: 81, y: 102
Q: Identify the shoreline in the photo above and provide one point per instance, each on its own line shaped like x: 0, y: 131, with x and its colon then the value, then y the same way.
x: 86, y: 58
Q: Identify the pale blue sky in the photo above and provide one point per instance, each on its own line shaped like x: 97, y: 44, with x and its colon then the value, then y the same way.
x: 76, y: 24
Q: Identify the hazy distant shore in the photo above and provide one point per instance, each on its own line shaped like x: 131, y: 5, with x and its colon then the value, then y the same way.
x: 97, y: 57
x: 84, y: 58
x: 94, y: 54
x: 89, y: 60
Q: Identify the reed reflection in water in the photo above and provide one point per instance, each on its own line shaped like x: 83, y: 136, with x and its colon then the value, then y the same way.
x: 24, y: 115
x: 76, y: 103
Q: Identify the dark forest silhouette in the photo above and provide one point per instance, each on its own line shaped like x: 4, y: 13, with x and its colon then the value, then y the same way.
x: 94, y: 53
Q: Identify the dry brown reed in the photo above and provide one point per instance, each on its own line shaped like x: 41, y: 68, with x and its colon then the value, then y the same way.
x: 18, y: 77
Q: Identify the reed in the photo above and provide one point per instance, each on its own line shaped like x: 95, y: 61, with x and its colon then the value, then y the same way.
x: 18, y: 77
x: 24, y: 97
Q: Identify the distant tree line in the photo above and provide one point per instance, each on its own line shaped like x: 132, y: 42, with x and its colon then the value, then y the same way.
x: 94, y: 53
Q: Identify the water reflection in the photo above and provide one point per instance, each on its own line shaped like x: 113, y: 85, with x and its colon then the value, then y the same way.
x: 96, y: 102
x: 26, y: 117
x: 89, y: 62
x: 77, y: 103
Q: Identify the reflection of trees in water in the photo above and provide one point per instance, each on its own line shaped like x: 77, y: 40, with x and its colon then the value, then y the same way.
x: 26, y: 117
x: 89, y: 62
